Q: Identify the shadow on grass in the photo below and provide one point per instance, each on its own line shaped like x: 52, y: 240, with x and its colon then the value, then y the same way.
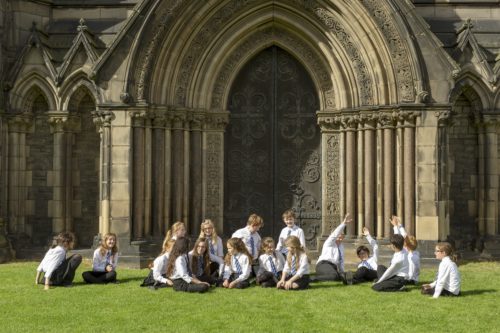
x: 324, y: 284
x: 476, y: 292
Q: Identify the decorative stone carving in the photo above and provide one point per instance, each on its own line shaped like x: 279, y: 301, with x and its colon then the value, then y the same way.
x: 332, y: 180
x: 384, y: 19
x: 63, y: 122
x: 214, y: 169
x: 21, y: 123
x: 103, y: 118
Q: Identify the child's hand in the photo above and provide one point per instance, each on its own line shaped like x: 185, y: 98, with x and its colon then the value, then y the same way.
x: 288, y: 285
x: 109, y: 268
x: 232, y: 285
x: 225, y: 283
x: 366, y: 231
x: 347, y: 218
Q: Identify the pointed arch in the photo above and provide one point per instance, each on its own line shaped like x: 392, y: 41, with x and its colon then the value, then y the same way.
x: 474, y: 89
x: 28, y: 88
x: 75, y: 87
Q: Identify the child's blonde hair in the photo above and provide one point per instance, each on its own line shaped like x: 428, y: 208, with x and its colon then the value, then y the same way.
x: 256, y: 220
x: 448, y: 250
x: 104, y: 248
x: 175, y: 227
x: 239, y: 247
x: 411, y: 243
x: 208, y: 223
x: 293, y: 242
x: 168, y: 246
x: 288, y: 213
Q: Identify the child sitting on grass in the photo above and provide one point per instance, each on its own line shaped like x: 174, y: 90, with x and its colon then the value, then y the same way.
x: 447, y: 282
x: 393, y: 278
x: 367, y: 268
x: 295, y: 274
x: 104, y: 262
x: 410, y: 246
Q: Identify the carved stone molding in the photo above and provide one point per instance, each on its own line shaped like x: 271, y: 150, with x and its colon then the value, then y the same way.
x: 216, y: 121
x: 214, y: 169
x: 332, y: 179
x: 103, y: 118
x: 63, y: 122
x: 21, y: 123
x: 401, y: 59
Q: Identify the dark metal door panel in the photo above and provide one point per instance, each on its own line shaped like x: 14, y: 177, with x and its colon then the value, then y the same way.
x: 272, y: 146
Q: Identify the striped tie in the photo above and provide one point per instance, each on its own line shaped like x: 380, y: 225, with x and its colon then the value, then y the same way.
x: 188, y: 266
x: 252, y: 245
x: 284, y: 249
x: 289, y: 232
x: 200, y: 266
x: 367, y: 264
x: 108, y: 258
x: 212, y: 250
x: 237, y: 265
x: 293, y: 270
x: 341, y: 260
x: 273, y: 267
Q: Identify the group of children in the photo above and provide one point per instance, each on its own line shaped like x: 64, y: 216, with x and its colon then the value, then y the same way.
x: 284, y: 265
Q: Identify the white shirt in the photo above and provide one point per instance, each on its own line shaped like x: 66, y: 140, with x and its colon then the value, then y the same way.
x: 448, y: 278
x: 100, y: 262
x: 52, y: 259
x: 302, y: 269
x: 399, y: 266
x: 160, y: 268
x: 245, y: 235
x: 371, y: 262
x: 217, y: 246
x: 181, y: 270
x: 413, y: 256
x: 245, y: 265
x: 331, y: 251
x: 285, y: 233
x: 265, y: 265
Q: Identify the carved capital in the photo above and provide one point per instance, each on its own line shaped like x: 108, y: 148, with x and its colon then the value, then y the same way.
x: 443, y: 117
x: 139, y: 116
x: 216, y: 121
x: 329, y: 122
x: 103, y: 118
x: 63, y: 122
x: 21, y: 123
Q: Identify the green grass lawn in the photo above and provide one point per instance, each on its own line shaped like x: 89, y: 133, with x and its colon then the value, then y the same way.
x: 325, y: 307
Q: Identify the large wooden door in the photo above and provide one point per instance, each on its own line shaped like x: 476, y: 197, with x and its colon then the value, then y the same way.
x: 273, y: 146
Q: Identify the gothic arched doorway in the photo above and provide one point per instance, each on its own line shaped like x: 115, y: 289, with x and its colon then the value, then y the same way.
x: 273, y: 146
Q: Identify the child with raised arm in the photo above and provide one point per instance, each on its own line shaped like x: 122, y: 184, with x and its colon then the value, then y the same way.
x: 290, y: 230
x: 177, y: 230
x: 295, y: 274
x: 448, y: 278
x: 238, y: 265
x: 56, y: 269
x: 251, y: 238
x: 367, y: 268
x: 271, y: 264
x: 104, y: 262
x: 393, y: 278
x: 331, y: 261
x: 179, y: 271
x: 410, y: 246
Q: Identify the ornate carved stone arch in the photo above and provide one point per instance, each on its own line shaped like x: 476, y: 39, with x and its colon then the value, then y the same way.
x: 474, y: 90
x: 27, y: 89
x: 257, y: 42
x: 75, y: 89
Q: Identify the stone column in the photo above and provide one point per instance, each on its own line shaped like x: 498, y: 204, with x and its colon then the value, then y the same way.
x: 491, y: 125
x: 148, y: 165
x: 481, y: 186
x: 370, y: 174
x: 103, y: 119
x: 178, y: 160
x: 361, y: 165
x: 409, y: 172
x: 19, y: 125
x: 388, y: 173
x: 380, y: 180
x: 400, y: 194
x: 196, y: 170
x: 168, y: 173
x: 186, y: 170
x: 350, y: 124
x: 158, y: 175
x: 138, y: 171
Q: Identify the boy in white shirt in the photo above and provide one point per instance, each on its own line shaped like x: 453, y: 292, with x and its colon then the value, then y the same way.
x: 251, y: 238
x: 410, y: 246
x: 393, y: 278
x: 290, y: 230
x: 367, y: 268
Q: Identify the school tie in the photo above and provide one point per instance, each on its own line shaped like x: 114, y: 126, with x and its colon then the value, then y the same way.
x: 212, y: 250
x: 293, y: 270
x: 188, y: 266
x: 289, y: 232
x: 341, y: 259
x: 108, y: 258
x: 252, y: 244
x: 237, y: 265
x: 284, y: 249
x: 367, y: 264
x: 273, y: 267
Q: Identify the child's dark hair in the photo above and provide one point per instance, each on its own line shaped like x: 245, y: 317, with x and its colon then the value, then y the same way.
x: 362, y: 248
x: 181, y: 247
x: 64, y: 239
x: 397, y: 241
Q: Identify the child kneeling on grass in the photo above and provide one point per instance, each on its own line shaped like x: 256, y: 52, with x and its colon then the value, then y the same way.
x: 179, y: 271
x: 296, y: 271
x: 59, y: 270
x: 238, y: 265
x: 448, y: 278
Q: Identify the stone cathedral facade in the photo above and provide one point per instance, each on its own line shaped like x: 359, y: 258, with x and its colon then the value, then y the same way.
x: 126, y: 116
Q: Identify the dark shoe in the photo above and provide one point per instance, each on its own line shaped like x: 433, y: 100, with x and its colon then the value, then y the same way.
x: 403, y: 288
x: 67, y: 285
x: 348, y: 276
x: 343, y: 278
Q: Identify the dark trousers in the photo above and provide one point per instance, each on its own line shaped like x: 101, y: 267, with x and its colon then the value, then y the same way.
x: 181, y: 285
x: 65, y: 273
x: 240, y: 285
x: 364, y: 274
x: 207, y: 278
x: 394, y: 283
x: 267, y: 279
x: 99, y: 277
x: 326, y: 271
x: 303, y: 282
x: 431, y: 291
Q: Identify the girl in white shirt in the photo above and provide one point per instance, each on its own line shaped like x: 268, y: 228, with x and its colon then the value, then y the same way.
x: 271, y: 264
x: 214, y: 246
x: 447, y: 282
x: 410, y: 246
x: 295, y: 274
x: 238, y: 265
x: 177, y: 230
x: 56, y: 269
x: 104, y: 262
x: 199, y: 258
x: 179, y: 270
x: 157, y: 277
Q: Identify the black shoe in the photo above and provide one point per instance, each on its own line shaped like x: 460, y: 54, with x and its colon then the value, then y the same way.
x: 343, y: 277
x: 349, y: 278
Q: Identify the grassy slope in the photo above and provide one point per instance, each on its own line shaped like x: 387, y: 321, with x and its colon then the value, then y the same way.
x: 126, y: 307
